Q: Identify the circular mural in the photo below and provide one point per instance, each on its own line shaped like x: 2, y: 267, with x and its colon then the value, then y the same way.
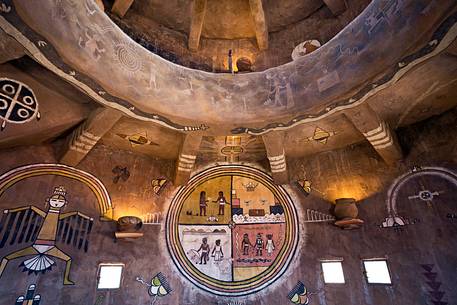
x: 231, y: 231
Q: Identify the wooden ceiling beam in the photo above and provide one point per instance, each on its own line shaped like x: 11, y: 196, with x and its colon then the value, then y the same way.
x: 261, y: 28
x: 196, y: 25
x: 377, y: 132
x: 81, y: 141
x: 274, y: 144
x: 120, y: 7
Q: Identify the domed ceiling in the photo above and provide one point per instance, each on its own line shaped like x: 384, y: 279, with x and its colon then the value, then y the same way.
x: 380, y: 67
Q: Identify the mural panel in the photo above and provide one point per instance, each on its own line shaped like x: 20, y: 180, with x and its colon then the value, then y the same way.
x: 33, y: 234
x: 231, y: 230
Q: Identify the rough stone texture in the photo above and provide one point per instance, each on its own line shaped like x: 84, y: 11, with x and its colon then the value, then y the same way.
x: 430, y: 240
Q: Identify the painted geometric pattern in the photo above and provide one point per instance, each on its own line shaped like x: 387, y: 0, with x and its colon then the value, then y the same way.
x: 231, y: 230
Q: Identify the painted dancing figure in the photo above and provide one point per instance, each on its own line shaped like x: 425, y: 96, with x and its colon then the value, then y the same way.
x: 204, y: 247
x: 203, y: 203
x: 217, y: 251
x: 221, y: 201
x: 270, y: 246
x: 246, y: 243
x: 258, y: 245
x: 44, y: 248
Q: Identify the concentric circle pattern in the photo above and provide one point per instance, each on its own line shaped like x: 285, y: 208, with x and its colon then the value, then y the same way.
x: 231, y: 231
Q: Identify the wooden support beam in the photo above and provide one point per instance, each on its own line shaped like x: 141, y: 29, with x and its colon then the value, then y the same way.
x: 186, y: 158
x: 85, y: 136
x: 377, y: 132
x: 336, y: 6
x: 120, y: 7
x: 274, y: 144
x: 196, y: 25
x: 261, y: 28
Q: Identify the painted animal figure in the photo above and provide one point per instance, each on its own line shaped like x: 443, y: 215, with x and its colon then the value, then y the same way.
x: 44, y: 246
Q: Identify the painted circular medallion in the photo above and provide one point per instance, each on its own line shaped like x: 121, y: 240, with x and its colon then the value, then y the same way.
x: 231, y: 231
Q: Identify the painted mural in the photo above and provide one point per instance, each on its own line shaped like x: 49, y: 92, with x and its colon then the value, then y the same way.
x: 18, y: 103
x: 424, y: 194
x: 43, y: 230
x: 157, y: 287
x: 299, y: 294
x: 44, y: 248
x: 30, y: 298
x: 231, y: 230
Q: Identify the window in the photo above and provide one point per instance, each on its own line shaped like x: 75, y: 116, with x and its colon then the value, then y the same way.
x: 333, y: 272
x: 376, y: 271
x: 109, y: 276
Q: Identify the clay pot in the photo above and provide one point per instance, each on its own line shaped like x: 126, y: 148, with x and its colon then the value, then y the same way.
x: 129, y: 224
x: 345, y: 208
x: 244, y: 64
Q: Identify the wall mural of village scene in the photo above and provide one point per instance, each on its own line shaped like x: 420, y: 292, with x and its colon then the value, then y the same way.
x: 231, y: 227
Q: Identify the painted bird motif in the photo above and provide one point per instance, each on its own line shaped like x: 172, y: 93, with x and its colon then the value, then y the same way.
x: 30, y: 223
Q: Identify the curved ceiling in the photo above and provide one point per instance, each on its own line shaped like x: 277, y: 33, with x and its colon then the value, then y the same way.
x: 369, y: 51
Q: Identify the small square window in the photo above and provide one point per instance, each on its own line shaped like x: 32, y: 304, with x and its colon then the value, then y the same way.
x: 377, y: 271
x: 110, y: 276
x: 333, y: 272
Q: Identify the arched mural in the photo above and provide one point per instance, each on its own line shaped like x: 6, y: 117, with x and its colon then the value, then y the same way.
x: 394, y: 219
x: 15, y: 175
x: 231, y: 231
x: 40, y: 229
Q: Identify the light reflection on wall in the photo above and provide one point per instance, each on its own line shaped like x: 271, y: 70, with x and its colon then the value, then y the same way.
x: 357, y: 187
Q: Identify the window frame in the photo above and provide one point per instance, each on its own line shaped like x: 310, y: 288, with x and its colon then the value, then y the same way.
x: 338, y: 260
x: 377, y: 259
x: 99, y: 270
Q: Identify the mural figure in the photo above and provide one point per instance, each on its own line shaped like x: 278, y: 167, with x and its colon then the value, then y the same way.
x: 18, y: 103
x: 270, y: 246
x: 221, y: 201
x: 120, y: 173
x: 203, y: 203
x: 44, y: 247
x: 158, y: 185
x: 432, y: 280
x: 217, y: 251
x: 299, y: 294
x: 158, y: 287
x: 246, y: 243
x: 204, y: 247
x: 29, y: 298
x: 258, y: 245
x: 280, y: 94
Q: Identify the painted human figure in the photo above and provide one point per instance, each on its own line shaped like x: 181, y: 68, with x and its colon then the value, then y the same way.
x: 221, y: 201
x: 203, y: 203
x: 246, y: 243
x: 204, y: 247
x: 217, y: 251
x: 270, y: 246
x: 258, y: 245
x: 44, y: 246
